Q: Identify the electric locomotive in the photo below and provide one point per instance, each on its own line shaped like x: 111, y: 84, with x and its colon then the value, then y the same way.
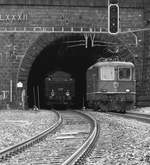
x: 111, y: 86
x: 59, y: 90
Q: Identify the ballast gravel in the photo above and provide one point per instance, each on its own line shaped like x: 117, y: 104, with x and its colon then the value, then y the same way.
x: 121, y: 142
x: 18, y: 125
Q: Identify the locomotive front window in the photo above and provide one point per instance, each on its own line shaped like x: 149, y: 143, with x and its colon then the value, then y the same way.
x: 107, y: 73
x: 124, y: 73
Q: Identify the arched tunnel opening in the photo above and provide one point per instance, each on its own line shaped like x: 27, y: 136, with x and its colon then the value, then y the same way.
x: 68, y: 54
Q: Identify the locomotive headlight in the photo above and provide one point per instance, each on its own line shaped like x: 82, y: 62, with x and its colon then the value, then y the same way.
x: 127, y: 90
x: 67, y: 93
x: 52, y: 93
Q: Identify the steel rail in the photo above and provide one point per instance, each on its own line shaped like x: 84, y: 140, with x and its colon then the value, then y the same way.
x: 76, y: 157
x: 10, y: 151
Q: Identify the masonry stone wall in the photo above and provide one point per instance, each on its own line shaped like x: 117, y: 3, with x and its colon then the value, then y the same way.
x: 144, y: 96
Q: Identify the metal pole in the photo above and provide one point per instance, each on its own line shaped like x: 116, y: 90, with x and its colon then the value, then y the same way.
x: 10, y: 90
x: 38, y: 97
x: 34, y: 96
x: 83, y: 108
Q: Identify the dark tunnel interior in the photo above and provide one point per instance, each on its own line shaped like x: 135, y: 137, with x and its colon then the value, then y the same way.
x: 67, y: 54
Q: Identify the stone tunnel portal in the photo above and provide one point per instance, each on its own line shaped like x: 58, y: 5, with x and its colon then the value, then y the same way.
x: 68, y: 54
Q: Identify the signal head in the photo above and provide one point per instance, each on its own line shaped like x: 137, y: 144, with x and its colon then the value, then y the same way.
x: 113, y: 18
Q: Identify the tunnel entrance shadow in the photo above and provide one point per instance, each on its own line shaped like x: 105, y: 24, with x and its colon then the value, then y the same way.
x: 67, y: 54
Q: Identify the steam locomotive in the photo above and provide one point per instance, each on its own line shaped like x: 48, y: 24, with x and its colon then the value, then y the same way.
x: 59, y: 90
x: 111, y: 86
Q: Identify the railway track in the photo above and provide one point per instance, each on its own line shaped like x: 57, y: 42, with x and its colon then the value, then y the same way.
x: 70, y: 144
x: 121, y: 141
x: 86, y: 148
x: 20, y: 147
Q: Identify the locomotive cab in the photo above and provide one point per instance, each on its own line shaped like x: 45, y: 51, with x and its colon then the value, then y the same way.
x: 116, y: 77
